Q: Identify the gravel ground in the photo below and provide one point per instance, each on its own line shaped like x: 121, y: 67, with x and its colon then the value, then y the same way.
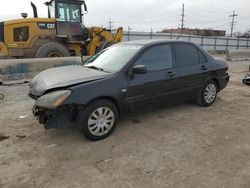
x: 176, y: 146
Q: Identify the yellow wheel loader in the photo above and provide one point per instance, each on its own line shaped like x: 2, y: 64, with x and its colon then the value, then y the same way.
x: 61, y: 34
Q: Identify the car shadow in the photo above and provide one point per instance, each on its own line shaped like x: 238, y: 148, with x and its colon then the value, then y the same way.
x: 136, y: 117
x: 127, y: 121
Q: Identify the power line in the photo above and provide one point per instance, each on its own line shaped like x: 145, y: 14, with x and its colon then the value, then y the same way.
x: 233, y: 22
x: 152, y: 18
x: 138, y: 18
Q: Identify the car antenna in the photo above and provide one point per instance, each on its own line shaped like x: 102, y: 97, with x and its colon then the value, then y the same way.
x: 179, y: 35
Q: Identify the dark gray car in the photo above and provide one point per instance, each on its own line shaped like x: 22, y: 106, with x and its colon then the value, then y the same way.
x: 122, y: 78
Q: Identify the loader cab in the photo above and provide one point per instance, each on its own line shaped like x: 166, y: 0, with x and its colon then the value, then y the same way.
x: 69, y: 12
x: 69, y: 16
x: 66, y: 10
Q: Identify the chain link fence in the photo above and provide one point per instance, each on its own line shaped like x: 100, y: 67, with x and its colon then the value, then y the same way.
x: 212, y: 44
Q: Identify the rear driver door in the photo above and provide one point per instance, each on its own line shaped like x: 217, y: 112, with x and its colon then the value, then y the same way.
x: 191, y: 68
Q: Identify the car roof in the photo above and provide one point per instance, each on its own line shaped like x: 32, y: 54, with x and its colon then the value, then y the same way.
x: 149, y: 42
x: 152, y: 41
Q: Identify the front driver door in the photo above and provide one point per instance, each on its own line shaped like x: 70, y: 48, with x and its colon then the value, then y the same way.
x: 158, y: 84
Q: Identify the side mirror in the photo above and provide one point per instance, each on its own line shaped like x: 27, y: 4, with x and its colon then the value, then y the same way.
x: 139, y: 69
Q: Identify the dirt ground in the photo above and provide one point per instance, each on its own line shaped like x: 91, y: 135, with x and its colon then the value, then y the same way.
x: 176, y: 146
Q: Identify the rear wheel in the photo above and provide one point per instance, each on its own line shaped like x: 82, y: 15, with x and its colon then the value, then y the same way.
x: 98, y: 120
x: 207, y: 94
x: 52, y: 49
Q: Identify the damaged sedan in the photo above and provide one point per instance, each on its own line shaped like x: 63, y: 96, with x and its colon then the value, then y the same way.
x: 122, y: 78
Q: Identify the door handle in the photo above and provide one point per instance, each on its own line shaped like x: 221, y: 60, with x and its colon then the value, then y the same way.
x: 171, y: 74
x: 203, y: 67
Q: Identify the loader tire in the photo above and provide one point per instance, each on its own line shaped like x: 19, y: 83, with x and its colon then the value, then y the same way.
x: 52, y: 49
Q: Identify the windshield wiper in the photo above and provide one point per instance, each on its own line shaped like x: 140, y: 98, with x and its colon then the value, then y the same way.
x: 96, y: 68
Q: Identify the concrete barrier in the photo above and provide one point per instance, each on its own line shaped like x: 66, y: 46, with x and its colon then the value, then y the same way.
x: 26, y: 69
x: 238, y: 55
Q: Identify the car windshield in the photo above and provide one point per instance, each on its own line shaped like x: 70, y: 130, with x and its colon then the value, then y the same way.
x: 113, y: 59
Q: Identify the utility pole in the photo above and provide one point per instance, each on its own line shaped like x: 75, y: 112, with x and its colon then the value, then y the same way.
x: 232, y: 24
x: 151, y: 33
x: 110, y: 22
x: 182, y: 16
x: 129, y: 29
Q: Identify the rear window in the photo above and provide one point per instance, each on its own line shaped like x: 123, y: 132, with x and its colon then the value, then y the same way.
x: 186, y: 54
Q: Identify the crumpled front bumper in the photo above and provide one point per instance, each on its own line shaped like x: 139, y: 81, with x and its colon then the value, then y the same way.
x: 40, y: 115
x: 59, y: 118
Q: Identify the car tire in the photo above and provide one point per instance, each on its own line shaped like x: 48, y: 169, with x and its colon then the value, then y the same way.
x: 52, y: 49
x: 208, y: 94
x: 98, y: 120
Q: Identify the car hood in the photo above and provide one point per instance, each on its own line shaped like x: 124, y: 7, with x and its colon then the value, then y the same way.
x: 62, y: 77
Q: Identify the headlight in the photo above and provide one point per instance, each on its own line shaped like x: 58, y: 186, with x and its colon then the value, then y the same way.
x: 53, y: 100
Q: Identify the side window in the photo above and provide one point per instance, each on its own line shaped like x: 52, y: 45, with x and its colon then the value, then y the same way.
x: 202, y: 58
x: 69, y: 12
x: 156, y: 58
x: 21, y: 34
x: 62, y: 12
x: 186, y: 55
x: 75, y: 13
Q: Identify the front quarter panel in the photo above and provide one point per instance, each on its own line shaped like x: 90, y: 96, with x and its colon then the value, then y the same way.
x: 113, y: 87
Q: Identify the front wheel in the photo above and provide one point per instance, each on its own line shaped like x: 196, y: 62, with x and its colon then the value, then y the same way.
x: 207, y: 94
x: 98, y: 120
